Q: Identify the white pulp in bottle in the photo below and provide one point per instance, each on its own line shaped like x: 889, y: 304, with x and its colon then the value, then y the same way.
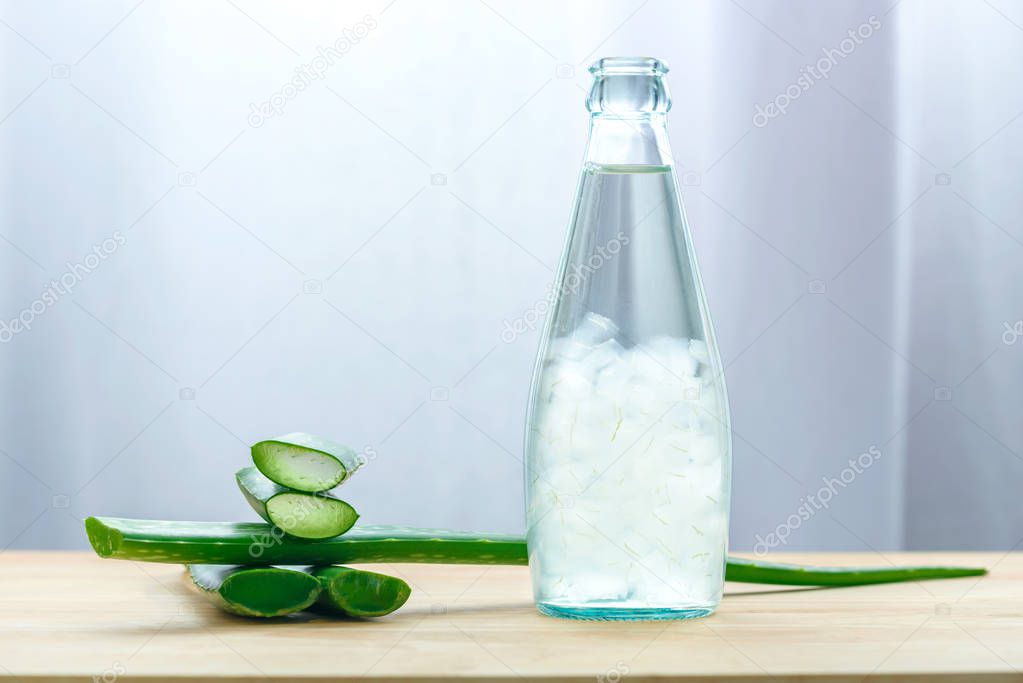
x: 629, y: 480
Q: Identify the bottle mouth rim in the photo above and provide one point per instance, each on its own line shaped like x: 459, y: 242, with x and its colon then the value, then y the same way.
x: 628, y: 65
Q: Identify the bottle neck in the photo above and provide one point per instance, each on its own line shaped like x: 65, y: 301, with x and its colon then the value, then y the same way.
x: 632, y: 141
x: 628, y: 102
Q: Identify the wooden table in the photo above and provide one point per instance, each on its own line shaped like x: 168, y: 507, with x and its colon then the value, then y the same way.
x: 71, y: 616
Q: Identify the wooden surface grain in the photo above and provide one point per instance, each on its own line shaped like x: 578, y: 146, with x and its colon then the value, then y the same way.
x: 71, y: 616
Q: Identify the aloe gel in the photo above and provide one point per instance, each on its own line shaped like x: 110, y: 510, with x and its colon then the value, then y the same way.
x: 627, y: 439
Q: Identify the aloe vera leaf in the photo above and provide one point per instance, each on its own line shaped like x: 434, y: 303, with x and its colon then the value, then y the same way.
x: 256, y: 591
x: 305, y: 462
x: 751, y: 571
x: 303, y: 515
x: 253, y: 543
x: 358, y: 593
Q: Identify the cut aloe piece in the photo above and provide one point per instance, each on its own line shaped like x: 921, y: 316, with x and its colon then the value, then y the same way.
x: 256, y: 591
x: 253, y: 543
x: 303, y: 515
x: 358, y: 593
x: 305, y: 462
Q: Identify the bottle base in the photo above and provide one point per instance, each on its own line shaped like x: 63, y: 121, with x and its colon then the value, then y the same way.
x: 597, y: 612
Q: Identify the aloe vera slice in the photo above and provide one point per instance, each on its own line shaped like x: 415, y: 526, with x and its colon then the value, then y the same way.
x: 256, y: 591
x: 253, y: 543
x: 303, y: 515
x: 305, y: 462
x: 359, y: 593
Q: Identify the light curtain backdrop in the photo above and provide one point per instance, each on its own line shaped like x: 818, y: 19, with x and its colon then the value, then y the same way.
x: 346, y: 262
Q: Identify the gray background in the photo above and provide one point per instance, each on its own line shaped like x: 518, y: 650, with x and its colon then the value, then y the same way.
x: 862, y: 253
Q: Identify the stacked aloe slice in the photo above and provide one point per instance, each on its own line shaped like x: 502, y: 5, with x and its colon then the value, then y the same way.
x: 289, y: 487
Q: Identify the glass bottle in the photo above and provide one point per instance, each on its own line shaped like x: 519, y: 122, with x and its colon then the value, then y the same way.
x: 628, y: 445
